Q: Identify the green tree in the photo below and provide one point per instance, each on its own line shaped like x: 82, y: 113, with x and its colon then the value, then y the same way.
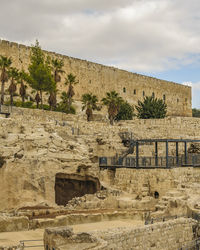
x: 70, y: 81
x: 63, y: 106
x: 89, y: 104
x: 125, y: 112
x: 5, y: 64
x: 13, y: 74
x: 151, y: 108
x: 40, y: 77
x: 113, y: 102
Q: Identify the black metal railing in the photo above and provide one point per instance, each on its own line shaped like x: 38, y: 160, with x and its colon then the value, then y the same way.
x: 31, y: 243
x: 150, y: 162
x: 5, y: 110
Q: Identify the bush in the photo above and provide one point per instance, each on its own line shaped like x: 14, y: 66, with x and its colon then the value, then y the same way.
x: 125, y: 112
x: 28, y: 104
x: 61, y: 107
x: 151, y: 108
x: 19, y: 103
x: 45, y: 107
x: 64, y: 108
x: 195, y: 112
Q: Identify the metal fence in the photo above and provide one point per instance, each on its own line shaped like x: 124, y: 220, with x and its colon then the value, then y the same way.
x: 5, y: 110
x: 31, y: 243
x: 150, y: 162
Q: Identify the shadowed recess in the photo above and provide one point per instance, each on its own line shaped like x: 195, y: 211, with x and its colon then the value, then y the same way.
x: 68, y: 186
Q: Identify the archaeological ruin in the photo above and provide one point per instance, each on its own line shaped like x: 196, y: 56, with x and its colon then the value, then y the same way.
x: 69, y: 184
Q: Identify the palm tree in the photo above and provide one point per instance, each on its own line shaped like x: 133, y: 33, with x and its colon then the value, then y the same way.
x: 89, y: 103
x: 37, y: 99
x: 22, y: 90
x: 113, y: 102
x: 52, y: 100
x: 5, y: 63
x: 70, y: 80
x: 13, y: 74
x: 57, y: 69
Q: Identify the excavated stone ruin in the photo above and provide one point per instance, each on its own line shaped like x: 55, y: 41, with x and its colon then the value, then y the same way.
x: 68, y: 186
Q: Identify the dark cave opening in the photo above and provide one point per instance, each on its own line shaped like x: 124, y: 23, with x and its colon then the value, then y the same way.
x: 156, y: 195
x: 69, y: 186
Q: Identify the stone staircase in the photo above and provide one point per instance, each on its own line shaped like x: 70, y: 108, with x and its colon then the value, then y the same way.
x: 145, y: 189
x: 172, y: 203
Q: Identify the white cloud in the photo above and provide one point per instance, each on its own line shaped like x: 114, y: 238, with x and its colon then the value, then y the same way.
x: 196, y: 86
x: 137, y: 35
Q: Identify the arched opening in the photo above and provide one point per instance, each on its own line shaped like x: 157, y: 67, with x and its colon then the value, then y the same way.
x: 156, y: 195
x: 68, y: 186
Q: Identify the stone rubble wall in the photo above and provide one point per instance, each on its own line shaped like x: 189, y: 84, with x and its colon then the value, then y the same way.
x: 161, y: 180
x: 170, y: 235
x: 12, y: 224
x: 99, y: 79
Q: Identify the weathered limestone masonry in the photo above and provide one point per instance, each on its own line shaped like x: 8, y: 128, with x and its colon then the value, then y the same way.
x: 161, y: 236
x: 99, y: 79
x: 37, y: 145
x: 155, y: 180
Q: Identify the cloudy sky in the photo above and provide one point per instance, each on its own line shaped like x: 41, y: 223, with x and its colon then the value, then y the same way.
x: 160, y: 38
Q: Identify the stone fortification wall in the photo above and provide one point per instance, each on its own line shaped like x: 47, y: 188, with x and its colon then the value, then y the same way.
x: 170, y: 235
x: 99, y: 79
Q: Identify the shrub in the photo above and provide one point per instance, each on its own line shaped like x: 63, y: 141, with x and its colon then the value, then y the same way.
x: 125, y: 112
x: 64, y: 108
x: 195, y: 112
x: 151, y: 108
x: 28, y: 104
x: 19, y: 103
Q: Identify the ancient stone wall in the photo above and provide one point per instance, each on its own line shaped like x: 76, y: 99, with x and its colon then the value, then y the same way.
x: 170, y: 235
x: 137, y: 181
x: 99, y: 79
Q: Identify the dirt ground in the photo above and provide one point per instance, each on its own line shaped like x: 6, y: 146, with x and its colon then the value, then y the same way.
x: 13, y: 238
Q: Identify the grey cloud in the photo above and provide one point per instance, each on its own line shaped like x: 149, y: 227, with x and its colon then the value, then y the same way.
x: 140, y: 35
